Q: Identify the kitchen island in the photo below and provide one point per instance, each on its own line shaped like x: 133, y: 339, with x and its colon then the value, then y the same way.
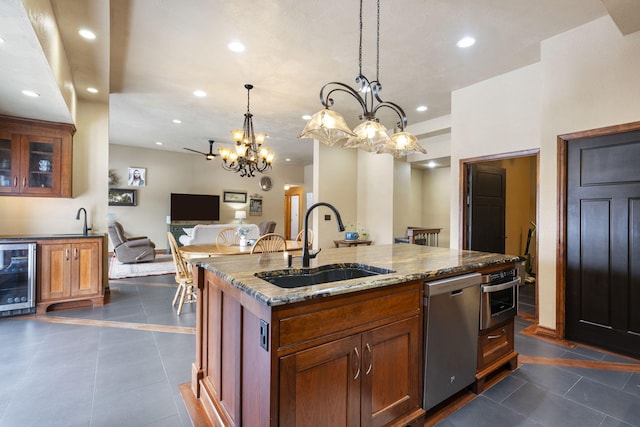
x: 345, y: 352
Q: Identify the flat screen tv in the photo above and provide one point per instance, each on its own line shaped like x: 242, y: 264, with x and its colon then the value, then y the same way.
x: 195, y: 207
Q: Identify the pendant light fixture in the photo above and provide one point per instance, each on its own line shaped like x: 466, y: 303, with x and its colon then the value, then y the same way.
x: 329, y: 126
x: 248, y: 155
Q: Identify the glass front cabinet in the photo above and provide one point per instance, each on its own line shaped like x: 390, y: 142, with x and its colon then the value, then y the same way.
x: 35, y: 158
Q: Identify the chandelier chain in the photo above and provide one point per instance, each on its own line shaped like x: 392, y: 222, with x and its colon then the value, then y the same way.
x: 378, y: 45
x: 360, y: 43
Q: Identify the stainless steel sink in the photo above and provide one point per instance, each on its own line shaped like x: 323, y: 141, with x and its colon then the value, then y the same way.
x: 298, y: 277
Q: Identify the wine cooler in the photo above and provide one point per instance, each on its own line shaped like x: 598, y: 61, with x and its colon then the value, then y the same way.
x: 17, y: 278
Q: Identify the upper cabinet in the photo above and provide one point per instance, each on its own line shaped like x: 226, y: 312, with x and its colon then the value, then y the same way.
x: 35, y: 157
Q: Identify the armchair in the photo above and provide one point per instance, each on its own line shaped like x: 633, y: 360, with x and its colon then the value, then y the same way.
x: 129, y: 250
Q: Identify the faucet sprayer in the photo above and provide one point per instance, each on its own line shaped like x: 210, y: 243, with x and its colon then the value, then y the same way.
x: 306, y: 255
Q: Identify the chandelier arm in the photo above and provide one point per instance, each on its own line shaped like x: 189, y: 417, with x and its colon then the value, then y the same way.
x: 396, y: 108
x: 327, y: 100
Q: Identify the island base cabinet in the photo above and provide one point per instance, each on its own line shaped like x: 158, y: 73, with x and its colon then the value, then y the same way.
x: 69, y: 271
x: 371, y: 378
x: 347, y: 360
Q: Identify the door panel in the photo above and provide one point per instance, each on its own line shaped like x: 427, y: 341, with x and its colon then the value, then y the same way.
x: 487, y: 194
x: 603, y: 242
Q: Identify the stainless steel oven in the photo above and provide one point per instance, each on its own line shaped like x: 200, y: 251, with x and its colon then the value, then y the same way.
x: 498, y: 297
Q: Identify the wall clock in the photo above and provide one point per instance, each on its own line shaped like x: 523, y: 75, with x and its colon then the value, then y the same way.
x: 265, y: 183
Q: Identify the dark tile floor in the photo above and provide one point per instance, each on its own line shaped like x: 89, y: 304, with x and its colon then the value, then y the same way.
x: 109, y: 373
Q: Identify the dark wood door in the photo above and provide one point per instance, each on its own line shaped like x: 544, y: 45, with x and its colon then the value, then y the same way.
x: 487, y: 187
x: 603, y: 242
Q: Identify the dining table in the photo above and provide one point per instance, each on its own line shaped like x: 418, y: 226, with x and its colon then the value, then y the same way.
x: 205, y: 250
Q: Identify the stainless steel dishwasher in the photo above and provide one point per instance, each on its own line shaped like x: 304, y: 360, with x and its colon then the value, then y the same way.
x: 451, y: 316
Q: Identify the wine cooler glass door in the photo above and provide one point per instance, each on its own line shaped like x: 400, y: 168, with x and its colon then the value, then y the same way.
x: 17, y: 278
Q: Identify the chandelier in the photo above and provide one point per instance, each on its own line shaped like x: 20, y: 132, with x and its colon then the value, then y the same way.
x: 331, y: 128
x: 248, y: 155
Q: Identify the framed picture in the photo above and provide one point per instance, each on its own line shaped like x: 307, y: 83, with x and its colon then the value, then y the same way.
x: 122, y: 197
x: 234, y: 197
x: 255, y: 207
x: 137, y: 177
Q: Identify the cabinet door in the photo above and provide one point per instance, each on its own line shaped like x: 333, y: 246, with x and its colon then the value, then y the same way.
x: 321, y: 386
x: 392, y: 372
x: 85, y: 270
x: 9, y: 163
x: 40, y: 165
x: 55, y: 271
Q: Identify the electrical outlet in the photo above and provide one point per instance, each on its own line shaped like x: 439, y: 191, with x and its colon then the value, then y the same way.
x: 264, y: 335
x: 327, y: 217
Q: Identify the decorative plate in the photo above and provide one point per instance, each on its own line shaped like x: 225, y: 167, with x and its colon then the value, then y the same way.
x: 265, y: 183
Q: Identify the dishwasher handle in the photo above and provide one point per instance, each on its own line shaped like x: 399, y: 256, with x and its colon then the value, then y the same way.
x: 450, y: 284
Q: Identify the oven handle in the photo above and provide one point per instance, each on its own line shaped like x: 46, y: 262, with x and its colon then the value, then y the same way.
x: 501, y: 287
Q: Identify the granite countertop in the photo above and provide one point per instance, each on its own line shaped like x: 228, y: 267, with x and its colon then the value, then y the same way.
x: 33, y: 237
x: 410, y: 262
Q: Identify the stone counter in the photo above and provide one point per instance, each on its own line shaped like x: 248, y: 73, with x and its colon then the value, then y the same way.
x: 410, y: 262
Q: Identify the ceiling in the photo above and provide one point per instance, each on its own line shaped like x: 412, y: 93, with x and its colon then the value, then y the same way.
x: 150, y: 55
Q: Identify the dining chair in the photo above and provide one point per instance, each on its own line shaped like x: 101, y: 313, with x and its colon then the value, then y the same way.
x: 227, y: 235
x: 271, y: 242
x: 300, y: 236
x: 186, y: 292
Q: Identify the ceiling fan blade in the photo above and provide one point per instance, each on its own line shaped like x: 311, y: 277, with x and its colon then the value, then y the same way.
x: 195, y: 151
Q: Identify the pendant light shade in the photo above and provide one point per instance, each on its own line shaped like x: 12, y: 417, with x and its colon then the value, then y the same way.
x: 328, y: 127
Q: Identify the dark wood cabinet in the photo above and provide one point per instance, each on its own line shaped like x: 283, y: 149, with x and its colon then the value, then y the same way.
x: 70, y: 271
x: 35, y: 158
x: 352, y: 359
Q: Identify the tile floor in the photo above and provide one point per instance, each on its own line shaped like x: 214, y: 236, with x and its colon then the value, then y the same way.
x: 99, y: 369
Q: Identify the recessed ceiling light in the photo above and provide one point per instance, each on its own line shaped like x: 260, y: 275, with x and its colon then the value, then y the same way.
x: 422, y: 108
x: 1, y: 40
x: 236, y: 47
x: 92, y: 90
x: 176, y: 121
x: 87, y: 34
x: 306, y: 117
x: 200, y: 93
x: 466, y: 42
x: 30, y: 93
x: 287, y: 160
x: 158, y: 143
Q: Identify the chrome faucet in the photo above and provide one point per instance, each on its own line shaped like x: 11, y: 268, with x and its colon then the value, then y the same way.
x: 306, y: 254
x: 85, y: 230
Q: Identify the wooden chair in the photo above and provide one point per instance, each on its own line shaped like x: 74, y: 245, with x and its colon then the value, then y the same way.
x: 271, y: 242
x: 186, y: 291
x: 300, y: 236
x: 227, y: 235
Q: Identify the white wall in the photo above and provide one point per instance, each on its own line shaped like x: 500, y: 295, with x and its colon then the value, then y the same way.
x: 376, y: 196
x: 335, y: 182
x: 175, y: 172
x: 436, y: 195
x: 587, y: 78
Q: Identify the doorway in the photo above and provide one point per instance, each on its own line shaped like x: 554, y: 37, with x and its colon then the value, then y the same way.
x: 292, y: 211
x: 514, y: 230
x: 598, y: 286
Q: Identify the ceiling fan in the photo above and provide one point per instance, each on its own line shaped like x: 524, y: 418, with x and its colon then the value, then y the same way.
x: 208, y: 155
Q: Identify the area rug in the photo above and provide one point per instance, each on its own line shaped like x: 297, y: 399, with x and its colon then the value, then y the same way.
x: 163, y: 264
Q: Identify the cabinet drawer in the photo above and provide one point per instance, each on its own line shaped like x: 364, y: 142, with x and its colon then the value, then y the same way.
x: 495, y: 343
x: 327, y: 318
